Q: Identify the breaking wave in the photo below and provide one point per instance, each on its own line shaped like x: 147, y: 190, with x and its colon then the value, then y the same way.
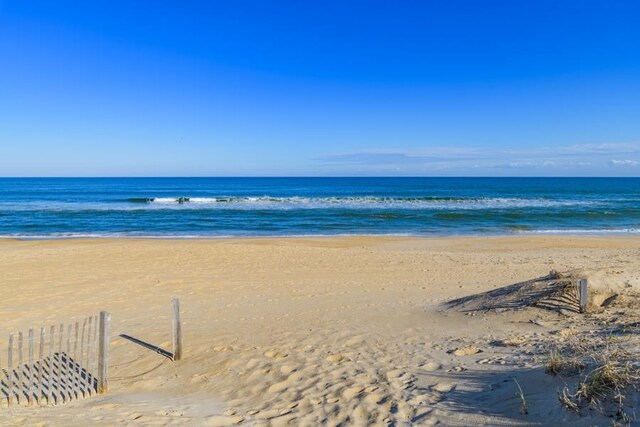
x: 270, y: 202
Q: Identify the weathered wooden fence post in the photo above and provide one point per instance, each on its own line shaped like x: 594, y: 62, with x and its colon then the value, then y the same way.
x: 177, y: 330
x: 20, y: 375
x: 103, y: 352
x: 51, y: 366
x: 90, y: 355
x: 582, y: 294
x: 30, y: 370
x: 40, y: 388
x: 10, y: 372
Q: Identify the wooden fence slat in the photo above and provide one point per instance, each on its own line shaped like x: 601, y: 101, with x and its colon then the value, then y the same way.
x: 19, y: 369
x: 74, y: 361
x: 52, y: 331
x: 40, y: 387
x: 87, y: 372
x: 10, y: 370
x: 177, y: 330
x: 69, y: 367
x: 88, y: 361
x: 61, y: 385
x: 93, y: 363
x: 103, y: 352
x: 81, y: 378
x: 31, y: 378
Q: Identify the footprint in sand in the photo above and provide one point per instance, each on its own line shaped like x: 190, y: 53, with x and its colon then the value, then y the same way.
x: 103, y: 406
x: 271, y: 413
x: 376, y: 398
x: 431, y: 366
x: 492, y: 361
x: 443, y: 387
x: 512, y: 342
x: 335, y: 358
x: 278, y: 387
x: 355, y: 341
x: 465, y: 351
x: 273, y: 354
x: 360, y: 416
x: 253, y: 363
x: 288, y: 369
x: 135, y: 416
x: 421, y: 399
x: 352, y: 392
x: 422, y: 412
x: 223, y: 420
x: 396, y: 373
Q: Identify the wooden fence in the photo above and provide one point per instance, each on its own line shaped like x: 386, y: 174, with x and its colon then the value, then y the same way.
x: 56, y: 365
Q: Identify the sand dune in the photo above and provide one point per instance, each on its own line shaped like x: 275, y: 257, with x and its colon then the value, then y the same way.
x: 326, y: 331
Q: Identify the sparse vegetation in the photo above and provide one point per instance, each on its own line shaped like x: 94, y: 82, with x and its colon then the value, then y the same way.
x: 607, y: 372
x: 608, y: 379
x: 524, y: 409
x: 556, y: 362
x: 563, y: 361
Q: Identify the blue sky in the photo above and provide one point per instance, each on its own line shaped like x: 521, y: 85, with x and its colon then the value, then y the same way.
x: 248, y: 88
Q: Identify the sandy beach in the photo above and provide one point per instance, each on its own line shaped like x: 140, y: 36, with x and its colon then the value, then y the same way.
x: 316, y: 331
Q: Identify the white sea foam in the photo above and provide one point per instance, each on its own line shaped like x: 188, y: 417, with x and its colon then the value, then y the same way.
x: 364, y: 202
x: 169, y: 236
x: 170, y: 200
x: 299, y: 202
x: 583, y: 231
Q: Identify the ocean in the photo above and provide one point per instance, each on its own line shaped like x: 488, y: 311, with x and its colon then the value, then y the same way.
x: 229, y: 207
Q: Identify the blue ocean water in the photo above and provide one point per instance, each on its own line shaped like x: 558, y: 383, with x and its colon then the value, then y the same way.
x: 218, y: 207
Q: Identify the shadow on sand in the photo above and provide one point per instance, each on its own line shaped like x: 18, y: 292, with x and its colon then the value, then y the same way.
x: 146, y: 345
x: 492, y: 397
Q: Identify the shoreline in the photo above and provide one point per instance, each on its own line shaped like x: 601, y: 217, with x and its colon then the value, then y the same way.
x: 571, y: 234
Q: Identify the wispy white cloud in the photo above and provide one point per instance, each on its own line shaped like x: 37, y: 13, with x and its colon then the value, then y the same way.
x: 623, y: 163
x: 521, y: 165
x: 607, y: 148
x: 563, y: 159
x: 377, y: 158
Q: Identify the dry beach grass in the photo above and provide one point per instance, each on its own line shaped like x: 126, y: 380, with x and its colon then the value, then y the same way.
x: 336, y: 331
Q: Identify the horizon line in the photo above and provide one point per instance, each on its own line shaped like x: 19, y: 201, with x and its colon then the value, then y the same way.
x: 312, y: 176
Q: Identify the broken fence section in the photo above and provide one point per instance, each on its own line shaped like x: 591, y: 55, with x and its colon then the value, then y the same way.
x: 57, y: 364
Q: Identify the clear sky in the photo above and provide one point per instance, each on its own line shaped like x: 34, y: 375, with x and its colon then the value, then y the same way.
x: 246, y: 88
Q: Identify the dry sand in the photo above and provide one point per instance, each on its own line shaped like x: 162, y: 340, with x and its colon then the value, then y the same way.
x: 322, y: 331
